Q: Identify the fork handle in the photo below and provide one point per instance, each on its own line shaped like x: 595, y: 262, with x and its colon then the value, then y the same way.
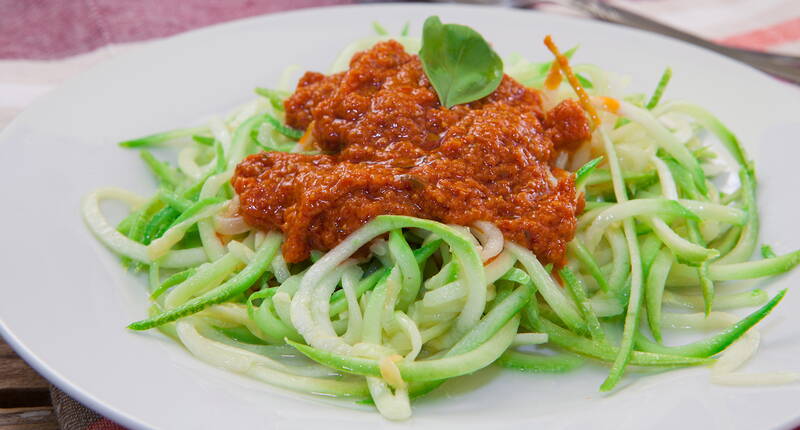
x: 783, y: 66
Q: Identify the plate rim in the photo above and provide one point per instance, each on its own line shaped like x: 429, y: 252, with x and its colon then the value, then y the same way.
x: 117, y: 413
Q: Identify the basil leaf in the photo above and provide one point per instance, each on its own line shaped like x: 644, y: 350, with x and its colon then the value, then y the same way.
x: 458, y: 61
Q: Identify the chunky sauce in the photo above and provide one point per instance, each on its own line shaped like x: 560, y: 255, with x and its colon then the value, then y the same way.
x: 389, y: 147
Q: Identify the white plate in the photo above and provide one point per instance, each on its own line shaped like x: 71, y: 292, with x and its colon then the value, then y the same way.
x: 65, y: 301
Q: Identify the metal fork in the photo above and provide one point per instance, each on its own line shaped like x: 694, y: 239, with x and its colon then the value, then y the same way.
x: 783, y: 66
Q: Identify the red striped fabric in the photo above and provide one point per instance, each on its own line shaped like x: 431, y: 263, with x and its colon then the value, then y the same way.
x: 54, y: 29
x: 765, y: 38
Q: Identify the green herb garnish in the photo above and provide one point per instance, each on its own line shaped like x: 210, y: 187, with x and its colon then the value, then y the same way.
x: 459, y: 62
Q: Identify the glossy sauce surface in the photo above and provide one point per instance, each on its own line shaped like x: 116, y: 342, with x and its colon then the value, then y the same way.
x: 389, y: 147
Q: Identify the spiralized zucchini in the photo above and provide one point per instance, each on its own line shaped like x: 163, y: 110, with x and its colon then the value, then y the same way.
x: 436, y: 302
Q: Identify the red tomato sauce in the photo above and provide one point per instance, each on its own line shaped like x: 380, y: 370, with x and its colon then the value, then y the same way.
x: 389, y: 147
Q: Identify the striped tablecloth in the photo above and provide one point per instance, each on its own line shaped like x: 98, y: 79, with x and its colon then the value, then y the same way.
x: 45, y: 42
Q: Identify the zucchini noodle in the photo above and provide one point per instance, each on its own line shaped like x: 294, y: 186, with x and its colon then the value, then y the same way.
x: 403, y: 304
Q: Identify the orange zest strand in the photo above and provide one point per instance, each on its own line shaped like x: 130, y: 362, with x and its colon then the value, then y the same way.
x: 553, y: 77
x: 563, y: 64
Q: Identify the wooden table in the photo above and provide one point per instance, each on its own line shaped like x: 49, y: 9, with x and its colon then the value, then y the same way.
x: 24, y: 395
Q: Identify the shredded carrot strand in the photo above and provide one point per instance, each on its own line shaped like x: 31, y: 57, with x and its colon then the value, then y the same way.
x: 307, y: 137
x: 610, y: 104
x: 563, y: 64
x: 553, y: 77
